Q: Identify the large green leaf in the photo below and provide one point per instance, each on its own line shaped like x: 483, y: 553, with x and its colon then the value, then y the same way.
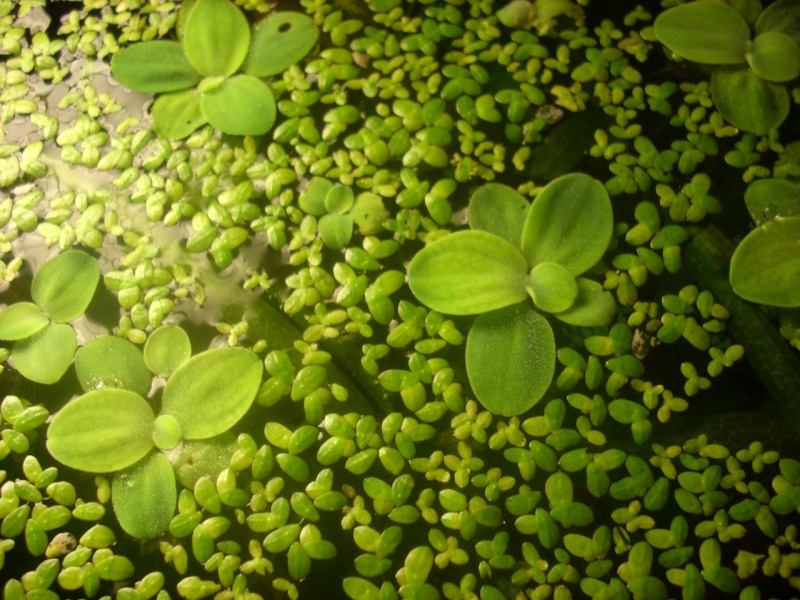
x: 21, y: 320
x: 747, y: 101
x: 765, y: 267
x: 774, y: 56
x: 500, y: 210
x: 112, y: 362
x: 594, y: 306
x: 552, y: 287
x: 154, y: 67
x: 510, y: 356
x: 279, y: 41
x: 782, y: 16
x: 144, y: 496
x: 192, y: 460
x: 335, y: 231
x: 570, y: 223
x: 64, y: 285
x: 241, y: 105
x: 177, y: 115
x: 468, y: 272
x: 216, y: 37
x: 705, y: 32
x: 210, y: 392
x: 167, y: 348
x: 102, y: 431
x: 770, y: 198
x: 47, y: 354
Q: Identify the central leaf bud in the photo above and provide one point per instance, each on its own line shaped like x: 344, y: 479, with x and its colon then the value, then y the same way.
x: 552, y: 287
x: 166, y: 432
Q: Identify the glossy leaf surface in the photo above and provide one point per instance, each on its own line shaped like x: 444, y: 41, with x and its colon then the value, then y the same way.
x: 177, y: 115
x: 102, y: 431
x: 211, y: 391
x: 166, y: 349
x: 21, y: 320
x: 510, y: 358
x: 705, y: 32
x: 570, y: 223
x: 770, y: 198
x: 278, y: 42
x: 242, y: 105
x: 468, y: 272
x: 144, y: 496
x: 111, y: 362
x: 216, y: 37
x: 747, y: 101
x: 46, y: 355
x: 774, y: 56
x: 64, y: 285
x: 154, y: 67
x: 765, y: 267
x: 500, y: 210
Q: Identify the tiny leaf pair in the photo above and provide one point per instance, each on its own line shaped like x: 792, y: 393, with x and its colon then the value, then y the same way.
x: 215, y: 75
x: 517, y: 250
x: 43, y: 342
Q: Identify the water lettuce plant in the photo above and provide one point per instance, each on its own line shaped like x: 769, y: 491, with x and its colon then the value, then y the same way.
x: 515, y: 250
x: 44, y: 342
x: 215, y: 73
x: 113, y: 429
x: 747, y: 87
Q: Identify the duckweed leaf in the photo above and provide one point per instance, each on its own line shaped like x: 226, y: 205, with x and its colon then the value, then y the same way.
x: 279, y: 41
x: 21, y: 320
x: 178, y: 114
x: 499, y: 210
x: 167, y: 348
x: 418, y: 564
x: 569, y: 223
x: 765, y: 266
x: 684, y: 30
x: 593, y: 307
x: 335, y: 231
x: 468, y: 272
x: 339, y: 199
x: 747, y: 101
x: 774, y: 56
x: 112, y: 362
x: 211, y: 391
x: 241, y: 105
x: 552, y: 287
x: 144, y: 496
x: 510, y: 358
x: 192, y: 460
x: 770, y: 198
x: 216, y: 37
x: 46, y: 355
x: 154, y: 67
x: 102, y: 431
x: 64, y: 285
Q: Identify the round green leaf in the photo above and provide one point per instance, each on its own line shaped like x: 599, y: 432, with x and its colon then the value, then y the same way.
x: 102, y: 431
x: 569, y: 223
x: 747, y: 101
x: 335, y: 231
x: 339, y: 199
x: 144, y: 496
x: 418, y: 564
x: 593, y: 307
x: 178, y: 114
x: 64, y: 285
x: 210, y: 392
x: 216, y: 37
x: 499, y: 210
x: 552, y: 287
x: 782, y: 16
x: 313, y: 200
x: 705, y: 32
x: 360, y: 589
x: 167, y: 348
x: 774, y: 56
x: 770, y: 198
x: 242, y: 105
x: 765, y: 266
x: 468, y: 272
x: 112, y: 362
x: 510, y: 358
x: 21, y: 320
x: 279, y: 41
x: 154, y: 67
x: 192, y: 460
x: 46, y: 355
x: 166, y: 432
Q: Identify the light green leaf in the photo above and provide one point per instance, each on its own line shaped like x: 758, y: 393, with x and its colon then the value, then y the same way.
x: 705, y: 32
x: 211, y: 391
x: 312, y: 200
x: 468, y: 272
x: 166, y: 432
x: 770, y: 198
x: 242, y: 105
x: 144, y: 497
x: 360, y: 589
x: 46, y: 355
x: 765, y: 266
x: 339, y: 199
x: 782, y: 16
x: 569, y: 223
x: 335, y: 231
x: 552, y: 287
x: 178, y: 114
x: 192, y: 460
x: 747, y: 101
x: 111, y: 362
x: 279, y: 41
x: 167, y: 348
x: 21, y: 320
x: 63, y: 287
x: 594, y: 306
x: 510, y: 358
x: 774, y: 56
x: 154, y: 67
x: 418, y: 564
x: 216, y: 37
x: 499, y: 210
x: 102, y: 431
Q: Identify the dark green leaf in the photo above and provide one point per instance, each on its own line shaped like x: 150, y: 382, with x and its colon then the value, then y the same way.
x: 747, y: 101
x: 774, y: 56
x: 783, y: 16
x: 770, y: 198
